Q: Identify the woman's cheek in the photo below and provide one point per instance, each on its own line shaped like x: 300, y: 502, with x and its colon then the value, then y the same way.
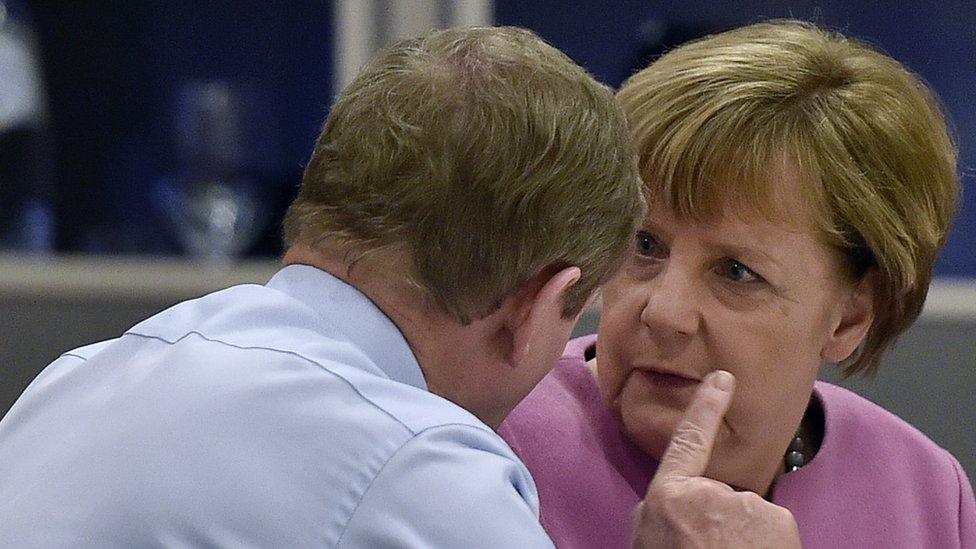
x: 645, y: 422
x: 610, y: 380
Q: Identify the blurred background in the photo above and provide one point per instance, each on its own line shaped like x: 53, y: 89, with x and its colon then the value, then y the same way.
x: 148, y: 151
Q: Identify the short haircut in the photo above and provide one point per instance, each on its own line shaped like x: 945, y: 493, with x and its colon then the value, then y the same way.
x: 485, y: 152
x: 711, y: 118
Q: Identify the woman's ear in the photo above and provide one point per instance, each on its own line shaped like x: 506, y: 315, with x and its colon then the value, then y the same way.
x: 856, y: 319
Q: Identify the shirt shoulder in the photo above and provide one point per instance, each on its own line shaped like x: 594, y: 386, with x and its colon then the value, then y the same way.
x: 263, y: 320
x: 87, y: 351
x: 448, y: 486
x: 875, y: 481
x: 237, y: 411
x: 854, y: 424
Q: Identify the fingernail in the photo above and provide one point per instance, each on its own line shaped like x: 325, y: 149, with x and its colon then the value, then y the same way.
x: 722, y: 380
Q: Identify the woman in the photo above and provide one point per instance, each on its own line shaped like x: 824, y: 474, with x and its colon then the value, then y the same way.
x: 799, y: 186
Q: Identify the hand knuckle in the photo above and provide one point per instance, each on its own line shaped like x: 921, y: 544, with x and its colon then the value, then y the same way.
x: 785, y: 515
x: 753, y: 499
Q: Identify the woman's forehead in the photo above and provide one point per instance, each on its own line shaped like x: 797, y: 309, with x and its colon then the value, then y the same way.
x: 786, y: 201
x: 737, y: 216
x: 790, y: 209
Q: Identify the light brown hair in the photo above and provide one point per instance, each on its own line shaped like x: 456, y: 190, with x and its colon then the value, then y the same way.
x: 711, y: 118
x: 488, y: 154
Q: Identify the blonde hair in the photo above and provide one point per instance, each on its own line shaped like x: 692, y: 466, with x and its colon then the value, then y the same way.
x: 488, y: 154
x: 712, y: 117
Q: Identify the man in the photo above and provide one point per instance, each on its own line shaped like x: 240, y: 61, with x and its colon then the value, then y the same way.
x: 468, y: 192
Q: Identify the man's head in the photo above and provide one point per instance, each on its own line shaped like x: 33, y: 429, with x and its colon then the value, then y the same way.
x: 475, y: 168
x: 484, y: 153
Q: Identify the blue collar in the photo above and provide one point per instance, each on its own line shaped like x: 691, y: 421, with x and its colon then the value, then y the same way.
x: 355, y: 316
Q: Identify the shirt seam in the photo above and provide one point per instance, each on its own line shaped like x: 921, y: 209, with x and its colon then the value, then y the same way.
x: 331, y: 323
x: 413, y: 434
x: 284, y: 352
x: 418, y: 434
x: 73, y: 353
x: 957, y: 471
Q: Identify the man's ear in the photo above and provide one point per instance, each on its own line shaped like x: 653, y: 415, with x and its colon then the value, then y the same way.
x: 538, y: 328
x: 856, y: 318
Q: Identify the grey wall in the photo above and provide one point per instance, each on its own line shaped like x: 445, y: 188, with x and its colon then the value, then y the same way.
x: 36, y: 329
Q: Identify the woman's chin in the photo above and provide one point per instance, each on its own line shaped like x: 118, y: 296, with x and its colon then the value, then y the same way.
x: 649, y: 427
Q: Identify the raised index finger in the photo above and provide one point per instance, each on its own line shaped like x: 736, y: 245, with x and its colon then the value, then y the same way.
x: 691, y: 444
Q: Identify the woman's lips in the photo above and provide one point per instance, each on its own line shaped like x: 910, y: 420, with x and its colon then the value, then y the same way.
x: 666, y: 380
x: 657, y: 389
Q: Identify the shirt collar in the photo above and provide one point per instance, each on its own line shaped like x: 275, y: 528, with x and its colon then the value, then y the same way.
x: 355, y: 316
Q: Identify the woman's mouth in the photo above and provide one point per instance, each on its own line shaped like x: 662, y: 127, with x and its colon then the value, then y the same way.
x: 667, y: 380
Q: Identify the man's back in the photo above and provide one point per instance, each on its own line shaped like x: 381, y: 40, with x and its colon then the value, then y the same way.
x: 288, y: 415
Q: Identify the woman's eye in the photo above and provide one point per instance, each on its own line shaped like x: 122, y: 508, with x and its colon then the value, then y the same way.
x: 647, y: 246
x: 737, y: 272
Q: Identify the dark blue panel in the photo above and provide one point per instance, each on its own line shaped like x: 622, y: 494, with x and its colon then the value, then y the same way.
x: 113, y: 69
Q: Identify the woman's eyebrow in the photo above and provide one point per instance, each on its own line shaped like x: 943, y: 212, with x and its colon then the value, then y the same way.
x: 749, y: 252
x: 649, y: 225
x: 725, y: 245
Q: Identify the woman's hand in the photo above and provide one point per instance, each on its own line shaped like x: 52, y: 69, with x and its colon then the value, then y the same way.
x: 683, y: 509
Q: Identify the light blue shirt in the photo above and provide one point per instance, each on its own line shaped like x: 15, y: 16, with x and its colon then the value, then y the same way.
x: 287, y: 415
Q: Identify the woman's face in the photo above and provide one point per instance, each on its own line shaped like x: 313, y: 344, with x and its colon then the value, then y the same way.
x: 762, y: 300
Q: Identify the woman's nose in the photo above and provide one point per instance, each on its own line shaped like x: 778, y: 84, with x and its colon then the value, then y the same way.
x: 672, y: 310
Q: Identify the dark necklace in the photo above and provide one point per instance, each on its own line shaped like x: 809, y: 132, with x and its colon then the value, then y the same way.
x: 794, y: 458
